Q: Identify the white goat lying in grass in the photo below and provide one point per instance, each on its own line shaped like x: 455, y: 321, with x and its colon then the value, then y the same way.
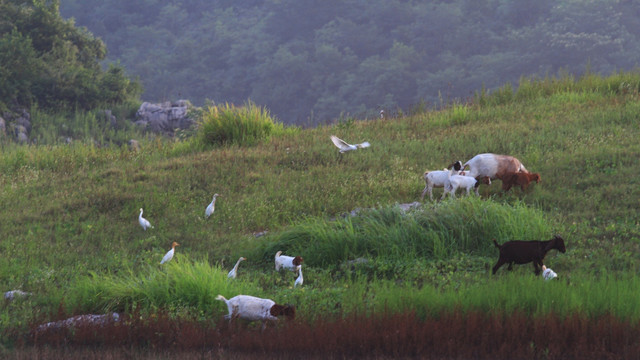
x: 256, y: 309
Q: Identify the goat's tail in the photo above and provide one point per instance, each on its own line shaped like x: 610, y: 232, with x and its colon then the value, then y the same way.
x: 496, y: 243
x: 221, y: 298
x: 278, y: 253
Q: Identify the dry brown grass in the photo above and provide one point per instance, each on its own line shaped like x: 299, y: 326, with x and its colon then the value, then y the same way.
x: 451, y: 336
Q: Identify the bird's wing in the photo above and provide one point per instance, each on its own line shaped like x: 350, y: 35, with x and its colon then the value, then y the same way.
x: 339, y: 143
x: 167, y: 257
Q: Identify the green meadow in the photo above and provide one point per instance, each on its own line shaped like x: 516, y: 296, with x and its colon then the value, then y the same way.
x: 69, y: 229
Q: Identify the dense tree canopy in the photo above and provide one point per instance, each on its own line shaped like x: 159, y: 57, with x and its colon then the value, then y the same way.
x: 311, y: 60
x: 47, y: 60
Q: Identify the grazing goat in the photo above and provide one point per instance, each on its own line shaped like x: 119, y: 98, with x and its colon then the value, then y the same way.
x: 492, y: 165
x: 256, y: 309
x: 521, y: 179
x: 522, y: 252
x: 439, y: 178
x: 467, y: 182
x: 287, y: 262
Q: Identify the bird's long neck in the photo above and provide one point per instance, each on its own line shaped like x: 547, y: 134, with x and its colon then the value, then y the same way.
x: 236, y: 266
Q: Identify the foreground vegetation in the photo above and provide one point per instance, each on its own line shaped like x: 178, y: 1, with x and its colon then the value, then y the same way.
x: 70, y: 235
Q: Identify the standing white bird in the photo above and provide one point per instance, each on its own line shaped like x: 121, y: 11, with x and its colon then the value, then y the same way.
x: 144, y: 222
x: 232, y: 274
x: 211, y: 207
x: 169, y: 255
x: 548, y: 274
x: 343, y: 146
x: 299, y: 280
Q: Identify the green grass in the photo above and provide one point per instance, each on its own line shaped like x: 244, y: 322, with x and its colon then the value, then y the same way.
x: 228, y: 124
x: 69, y: 232
x: 433, y: 232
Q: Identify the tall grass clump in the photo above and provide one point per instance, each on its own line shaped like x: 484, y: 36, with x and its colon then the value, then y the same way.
x: 178, y: 284
x: 228, y: 124
x: 433, y: 232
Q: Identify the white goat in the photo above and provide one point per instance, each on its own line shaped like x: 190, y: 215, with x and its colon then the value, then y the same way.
x: 287, y: 262
x: 253, y: 308
x: 438, y: 178
x: 492, y: 165
x: 463, y: 181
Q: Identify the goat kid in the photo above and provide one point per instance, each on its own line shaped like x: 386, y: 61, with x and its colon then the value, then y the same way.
x: 522, y: 252
x: 253, y: 308
x: 466, y: 182
x: 439, y: 179
x: 519, y: 179
x: 287, y: 262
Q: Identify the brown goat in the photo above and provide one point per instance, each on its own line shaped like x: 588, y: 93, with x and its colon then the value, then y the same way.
x: 522, y: 252
x: 493, y: 165
x: 522, y: 179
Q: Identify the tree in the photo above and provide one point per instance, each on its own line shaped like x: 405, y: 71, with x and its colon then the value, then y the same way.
x: 49, y: 61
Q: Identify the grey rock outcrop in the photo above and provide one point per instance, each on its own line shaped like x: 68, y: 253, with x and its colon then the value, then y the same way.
x: 165, y: 117
x: 17, y: 124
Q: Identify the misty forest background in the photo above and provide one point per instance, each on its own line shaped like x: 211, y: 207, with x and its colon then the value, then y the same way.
x: 310, y: 62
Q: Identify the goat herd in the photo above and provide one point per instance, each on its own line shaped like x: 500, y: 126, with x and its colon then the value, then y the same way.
x: 482, y: 169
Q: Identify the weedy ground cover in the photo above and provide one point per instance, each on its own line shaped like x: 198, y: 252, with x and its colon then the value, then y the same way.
x: 68, y: 220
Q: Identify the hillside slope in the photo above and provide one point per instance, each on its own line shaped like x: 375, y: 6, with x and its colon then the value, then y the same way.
x: 71, y: 211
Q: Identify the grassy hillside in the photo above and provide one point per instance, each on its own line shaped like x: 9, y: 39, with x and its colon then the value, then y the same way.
x: 69, y: 231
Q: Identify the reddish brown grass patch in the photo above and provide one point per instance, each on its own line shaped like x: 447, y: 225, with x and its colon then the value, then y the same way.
x: 449, y: 336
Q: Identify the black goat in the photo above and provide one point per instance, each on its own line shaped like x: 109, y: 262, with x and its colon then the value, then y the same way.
x: 522, y: 252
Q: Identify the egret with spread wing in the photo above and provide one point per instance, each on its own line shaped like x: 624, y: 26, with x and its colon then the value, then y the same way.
x: 343, y: 146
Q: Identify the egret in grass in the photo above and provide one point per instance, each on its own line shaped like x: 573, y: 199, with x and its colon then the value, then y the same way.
x: 211, y: 207
x: 232, y: 274
x: 343, y: 146
x: 169, y: 255
x: 299, y: 280
x: 144, y: 222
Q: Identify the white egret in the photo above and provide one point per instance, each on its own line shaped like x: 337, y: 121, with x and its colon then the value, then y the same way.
x: 232, y: 274
x: 144, y: 222
x: 343, y: 146
x: 299, y: 280
x: 211, y: 207
x: 169, y: 255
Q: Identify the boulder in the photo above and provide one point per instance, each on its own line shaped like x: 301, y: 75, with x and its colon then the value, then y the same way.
x: 164, y: 117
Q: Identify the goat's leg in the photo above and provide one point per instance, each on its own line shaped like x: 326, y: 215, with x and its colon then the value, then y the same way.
x: 497, y: 265
x: 426, y: 188
x: 510, y: 266
x: 537, y: 266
